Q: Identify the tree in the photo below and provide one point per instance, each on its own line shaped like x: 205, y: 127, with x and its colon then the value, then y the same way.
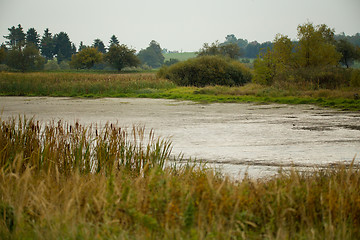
x: 113, y: 41
x: 32, y: 37
x: 63, y: 48
x: 16, y: 37
x: 348, y: 52
x: 22, y: 56
x: 316, y: 46
x: 242, y: 43
x: 120, y: 56
x: 231, y: 50
x: 99, y: 45
x: 152, y: 55
x: 282, y: 52
x: 3, y: 53
x: 47, y: 45
x: 228, y: 49
x: 210, y: 50
x: 25, y: 59
x: 252, y: 49
x: 86, y: 58
x: 82, y: 46
x: 265, y: 68
x: 73, y: 49
x: 275, y: 61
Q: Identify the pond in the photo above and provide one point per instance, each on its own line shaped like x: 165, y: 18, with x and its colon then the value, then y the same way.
x: 236, y: 138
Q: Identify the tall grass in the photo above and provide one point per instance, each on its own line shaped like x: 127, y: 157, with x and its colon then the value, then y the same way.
x: 62, y: 181
x: 79, y: 84
x: 70, y: 148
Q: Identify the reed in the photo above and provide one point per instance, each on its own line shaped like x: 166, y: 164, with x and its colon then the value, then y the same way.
x: 87, y: 184
x: 68, y: 148
x: 79, y: 84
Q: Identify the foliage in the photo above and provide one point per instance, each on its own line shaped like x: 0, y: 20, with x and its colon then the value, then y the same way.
x: 120, y: 56
x: 171, y: 61
x: 47, y: 45
x: 3, y: 53
x: 62, y: 47
x: 25, y: 59
x: 51, y: 65
x: 99, y: 45
x: 348, y: 52
x: 152, y: 55
x: 231, y: 50
x: 51, y: 188
x: 113, y: 41
x: 355, y: 78
x: 311, y: 62
x: 16, y: 37
x: 207, y: 70
x: 316, y: 46
x: 32, y: 37
x: 86, y: 58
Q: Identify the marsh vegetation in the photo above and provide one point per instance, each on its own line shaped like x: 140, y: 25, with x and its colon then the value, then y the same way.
x: 60, y: 180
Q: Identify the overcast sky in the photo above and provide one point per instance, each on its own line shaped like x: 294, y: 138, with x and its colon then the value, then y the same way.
x: 176, y: 24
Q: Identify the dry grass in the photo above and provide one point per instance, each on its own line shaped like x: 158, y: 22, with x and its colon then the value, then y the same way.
x: 50, y: 190
x: 79, y: 84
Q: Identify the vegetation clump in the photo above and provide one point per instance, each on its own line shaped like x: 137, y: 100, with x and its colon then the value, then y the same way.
x: 207, y: 70
x: 311, y: 63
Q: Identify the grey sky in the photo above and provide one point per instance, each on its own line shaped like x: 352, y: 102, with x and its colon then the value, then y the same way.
x: 176, y: 24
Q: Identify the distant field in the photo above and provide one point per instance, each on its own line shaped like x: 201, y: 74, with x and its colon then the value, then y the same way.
x: 180, y: 56
x: 356, y: 64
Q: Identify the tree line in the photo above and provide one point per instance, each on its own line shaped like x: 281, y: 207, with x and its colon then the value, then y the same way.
x: 313, y: 59
x: 254, y: 48
x: 30, y: 51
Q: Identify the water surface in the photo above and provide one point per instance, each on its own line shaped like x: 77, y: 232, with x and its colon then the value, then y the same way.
x: 234, y: 137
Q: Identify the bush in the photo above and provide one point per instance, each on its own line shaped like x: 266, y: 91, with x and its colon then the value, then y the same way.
x: 51, y: 65
x: 207, y: 70
x: 355, y: 78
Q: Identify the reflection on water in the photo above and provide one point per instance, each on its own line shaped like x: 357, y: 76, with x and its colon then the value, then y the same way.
x: 233, y: 137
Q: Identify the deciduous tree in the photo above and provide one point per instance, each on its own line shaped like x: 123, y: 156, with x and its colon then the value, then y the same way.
x: 120, y: 56
x: 316, y: 46
x: 348, y: 52
x: 227, y: 49
x: 25, y: 59
x: 152, y: 55
x: 86, y: 58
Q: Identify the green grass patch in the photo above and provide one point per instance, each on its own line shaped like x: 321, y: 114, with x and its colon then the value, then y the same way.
x: 183, y: 56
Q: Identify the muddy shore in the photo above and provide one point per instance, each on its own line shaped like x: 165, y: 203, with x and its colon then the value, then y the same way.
x: 234, y: 137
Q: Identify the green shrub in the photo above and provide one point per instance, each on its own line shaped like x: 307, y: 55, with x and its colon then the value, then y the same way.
x: 51, y: 65
x: 207, y: 70
x: 355, y: 78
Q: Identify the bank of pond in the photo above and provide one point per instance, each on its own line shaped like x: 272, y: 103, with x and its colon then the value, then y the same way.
x: 149, y: 85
